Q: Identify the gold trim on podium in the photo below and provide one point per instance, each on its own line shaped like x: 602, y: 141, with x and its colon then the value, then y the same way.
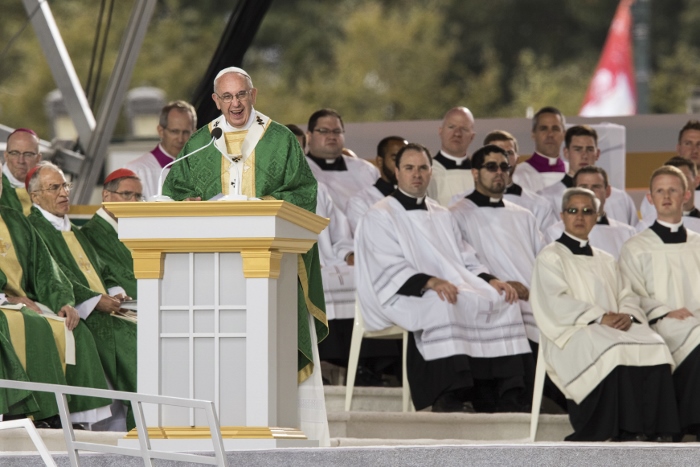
x: 281, y: 209
x: 227, y: 432
x: 261, y: 256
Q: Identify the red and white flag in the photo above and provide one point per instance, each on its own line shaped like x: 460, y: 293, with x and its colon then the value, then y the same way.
x: 612, y: 90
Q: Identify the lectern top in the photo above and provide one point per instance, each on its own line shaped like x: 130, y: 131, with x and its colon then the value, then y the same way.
x: 281, y: 209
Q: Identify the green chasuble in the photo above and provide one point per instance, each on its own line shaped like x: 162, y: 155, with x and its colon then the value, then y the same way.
x: 280, y: 172
x: 9, y: 196
x: 115, y: 338
x: 43, y: 282
x: 111, y: 250
x: 14, y: 401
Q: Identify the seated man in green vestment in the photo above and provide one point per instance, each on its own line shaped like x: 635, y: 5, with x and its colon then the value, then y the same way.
x: 29, y: 275
x: 21, y: 155
x: 258, y: 158
x: 119, y: 186
x: 97, y: 294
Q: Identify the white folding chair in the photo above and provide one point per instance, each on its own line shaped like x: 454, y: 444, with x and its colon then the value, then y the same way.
x: 540, y: 373
x: 358, y: 333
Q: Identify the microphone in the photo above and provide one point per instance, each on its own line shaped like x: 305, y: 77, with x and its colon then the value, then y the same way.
x: 215, y: 134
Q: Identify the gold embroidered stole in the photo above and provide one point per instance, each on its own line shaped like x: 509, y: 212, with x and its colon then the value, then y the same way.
x: 234, y: 142
x: 24, y: 199
x: 84, y: 263
x: 10, y: 264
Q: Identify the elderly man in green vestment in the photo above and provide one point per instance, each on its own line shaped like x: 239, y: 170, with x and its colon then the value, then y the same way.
x: 21, y: 155
x: 28, y: 274
x: 119, y: 186
x: 257, y: 158
x: 97, y: 294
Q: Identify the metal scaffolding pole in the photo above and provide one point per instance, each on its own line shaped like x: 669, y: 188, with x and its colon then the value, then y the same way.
x: 641, y: 11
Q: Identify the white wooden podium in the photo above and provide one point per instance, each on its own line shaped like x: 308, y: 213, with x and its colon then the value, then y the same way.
x: 217, y: 314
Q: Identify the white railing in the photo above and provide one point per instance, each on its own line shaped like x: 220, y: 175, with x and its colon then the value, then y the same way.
x: 136, y: 400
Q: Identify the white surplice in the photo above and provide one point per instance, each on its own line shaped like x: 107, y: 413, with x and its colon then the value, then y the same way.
x: 528, y: 177
x: 334, y: 245
x: 618, y: 206
x: 608, y: 238
x: 392, y: 245
x: 666, y: 277
x: 569, y: 293
x: 360, y: 203
x: 444, y: 183
x: 344, y: 184
x: 506, y: 240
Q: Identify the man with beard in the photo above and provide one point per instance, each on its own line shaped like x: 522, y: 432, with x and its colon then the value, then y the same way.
x: 385, y: 184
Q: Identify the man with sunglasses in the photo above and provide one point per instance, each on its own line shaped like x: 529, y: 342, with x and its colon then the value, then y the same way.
x: 102, y: 229
x: 98, y: 295
x: 177, y: 122
x: 21, y: 155
x: 598, y: 349
x: 607, y: 234
x: 504, y: 235
x: 344, y: 176
x: 662, y: 264
x: 413, y: 269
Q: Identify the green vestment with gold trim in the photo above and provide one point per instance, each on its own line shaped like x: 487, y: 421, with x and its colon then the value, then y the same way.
x: 282, y: 173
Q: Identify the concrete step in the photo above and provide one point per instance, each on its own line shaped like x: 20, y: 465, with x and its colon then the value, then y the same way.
x: 511, y: 427
x: 365, y: 399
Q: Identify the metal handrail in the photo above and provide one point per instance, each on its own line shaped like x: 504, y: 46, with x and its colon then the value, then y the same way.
x: 136, y: 399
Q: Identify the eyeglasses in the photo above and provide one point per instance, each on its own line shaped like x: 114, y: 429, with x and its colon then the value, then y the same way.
x: 57, y: 187
x: 240, y: 96
x: 26, y: 155
x: 178, y: 133
x: 129, y: 195
x: 584, y: 211
x: 326, y: 131
x: 493, y: 167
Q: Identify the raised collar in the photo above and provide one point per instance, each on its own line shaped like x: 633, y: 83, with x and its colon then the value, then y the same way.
x: 384, y: 187
x: 59, y: 223
x: 568, y: 181
x: 692, y: 213
x: 13, y: 181
x: 575, y: 245
x: 337, y: 164
x: 603, y: 220
x: 670, y: 233
x: 546, y: 164
x: 409, y: 203
x: 103, y: 214
x: 162, y: 156
x: 484, y: 201
x: 450, y: 162
x: 514, y: 189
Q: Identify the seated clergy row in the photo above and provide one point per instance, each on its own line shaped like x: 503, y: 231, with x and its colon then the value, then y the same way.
x: 56, y: 324
x: 417, y: 267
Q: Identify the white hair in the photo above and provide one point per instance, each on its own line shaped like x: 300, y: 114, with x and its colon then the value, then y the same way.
x: 233, y: 69
x: 571, y: 192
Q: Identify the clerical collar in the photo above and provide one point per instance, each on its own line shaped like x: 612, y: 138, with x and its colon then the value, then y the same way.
x: 484, y: 201
x: 384, y: 187
x: 13, y: 181
x: 568, y: 181
x: 408, y: 202
x: 575, y: 244
x: 337, y: 164
x: 514, y: 189
x: 603, y: 220
x: 162, y: 156
x: 228, y: 127
x: 692, y: 213
x: 670, y: 233
x: 453, y: 163
x: 103, y: 214
x: 59, y: 223
x: 546, y: 164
